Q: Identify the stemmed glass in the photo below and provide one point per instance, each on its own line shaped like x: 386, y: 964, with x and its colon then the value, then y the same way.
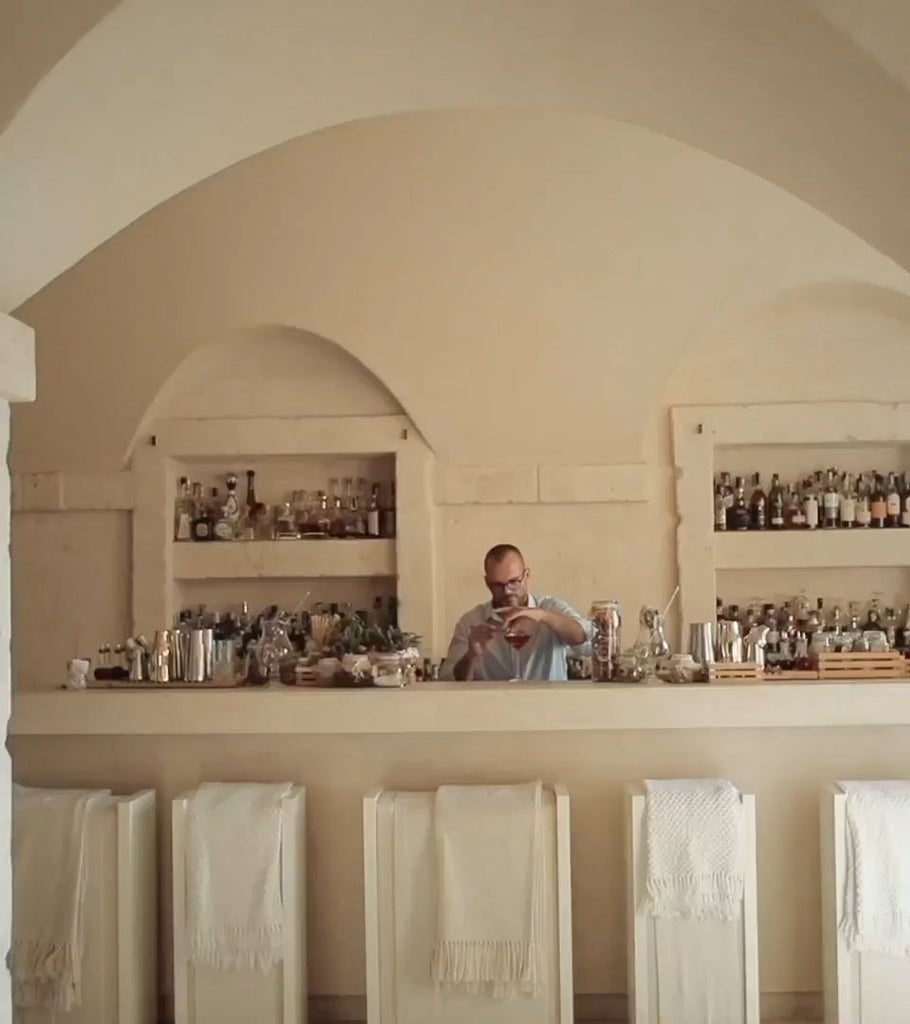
x: 514, y: 636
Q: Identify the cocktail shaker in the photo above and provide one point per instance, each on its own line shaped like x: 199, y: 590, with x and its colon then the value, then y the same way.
x: 729, y: 641
x: 701, y: 643
x: 199, y: 656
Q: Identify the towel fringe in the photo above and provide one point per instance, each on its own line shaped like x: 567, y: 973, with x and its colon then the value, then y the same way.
x: 716, y: 896
x: 237, y: 948
x: 503, y: 967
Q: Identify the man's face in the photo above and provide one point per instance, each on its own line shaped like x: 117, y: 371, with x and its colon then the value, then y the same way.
x: 507, y: 581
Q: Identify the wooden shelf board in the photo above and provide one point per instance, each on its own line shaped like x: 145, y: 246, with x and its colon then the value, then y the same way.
x: 812, y: 549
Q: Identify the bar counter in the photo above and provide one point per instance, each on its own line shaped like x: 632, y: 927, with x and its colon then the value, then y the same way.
x: 458, y: 708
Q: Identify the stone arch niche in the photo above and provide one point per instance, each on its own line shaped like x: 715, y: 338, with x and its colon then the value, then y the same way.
x: 285, y: 400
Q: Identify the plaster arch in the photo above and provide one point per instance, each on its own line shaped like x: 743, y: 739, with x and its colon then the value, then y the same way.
x: 285, y: 371
x: 161, y: 94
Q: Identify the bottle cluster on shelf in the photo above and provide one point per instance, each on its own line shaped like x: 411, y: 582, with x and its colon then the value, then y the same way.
x: 826, y: 499
x: 794, y: 633
x: 345, y: 510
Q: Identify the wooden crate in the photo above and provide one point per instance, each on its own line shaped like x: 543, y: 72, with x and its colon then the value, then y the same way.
x: 734, y: 672
x: 862, y: 665
x: 792, y: 675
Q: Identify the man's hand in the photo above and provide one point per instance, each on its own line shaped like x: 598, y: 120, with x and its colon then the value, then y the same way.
x: 479, y: 638
x: 511, y: 616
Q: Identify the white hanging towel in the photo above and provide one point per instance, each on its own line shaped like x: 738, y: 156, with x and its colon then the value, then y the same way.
x: 695, y: 846
x: 490, y: 868
x: 49, y: 871
x: 235, y: 917
x: 876, y: 909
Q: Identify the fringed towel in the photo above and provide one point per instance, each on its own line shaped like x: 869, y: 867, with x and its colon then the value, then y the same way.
x: 489, y: 861
x: 694, y: 842
x: 235, y: 917
x: 49, y: 872
x: 876, y: 909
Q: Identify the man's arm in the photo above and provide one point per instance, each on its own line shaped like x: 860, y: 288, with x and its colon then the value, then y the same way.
x: 570, y: 628
x: 465, y: 650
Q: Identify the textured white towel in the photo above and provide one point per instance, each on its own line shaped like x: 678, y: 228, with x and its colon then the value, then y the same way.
x: 876, y: 910
x: 235, y: 916
x: 694, y: 841
x: 489, y: 863
x: 49, y: 871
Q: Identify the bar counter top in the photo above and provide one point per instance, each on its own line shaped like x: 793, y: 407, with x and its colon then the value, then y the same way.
x: 458, y: 708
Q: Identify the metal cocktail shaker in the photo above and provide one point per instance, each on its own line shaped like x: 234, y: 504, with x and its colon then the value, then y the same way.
x: 729, y: 641
x: 701, y: 643
x: 606, y: 617
x: 199, y: 656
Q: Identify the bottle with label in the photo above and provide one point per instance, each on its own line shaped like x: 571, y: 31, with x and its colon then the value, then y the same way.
x: 739, y: 518
x: 183, y: 511
x: 776, y: 504
x: 323, y: 516
x: 831, y: 502
x: 758, y: 505
x: 847, y: 503
x: 905, y: 500
x: 863, y: 504
x: 878, y: 506
x: 795, y: 513
x: 202, y: 520
x: 387, y: 514
x: 373, y: 513
x: 251, y: 502
x: 810, y: 505
x: 892, y: 502
x: 222, y: 527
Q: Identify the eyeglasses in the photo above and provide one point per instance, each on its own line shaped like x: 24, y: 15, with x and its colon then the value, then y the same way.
x: 511, y: 584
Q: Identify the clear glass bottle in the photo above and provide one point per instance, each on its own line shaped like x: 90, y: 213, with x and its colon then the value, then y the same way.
x: 202, y: 520
x: 183, y: 511
x: 831, y: 502
x: 905, y: 500
x: 810, y: 505
x: 863, y: 504
x: 373, y: 512
x: 720, y: 508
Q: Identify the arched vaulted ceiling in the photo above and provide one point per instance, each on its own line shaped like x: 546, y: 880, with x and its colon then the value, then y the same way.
x: 161, y: 94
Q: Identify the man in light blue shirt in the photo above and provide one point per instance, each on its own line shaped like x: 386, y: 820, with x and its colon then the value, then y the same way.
x: 515, y: 635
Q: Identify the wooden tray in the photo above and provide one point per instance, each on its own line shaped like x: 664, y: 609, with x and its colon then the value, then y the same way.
x: 743, y: 672
x: 793, y: 676
x: 862, y: 665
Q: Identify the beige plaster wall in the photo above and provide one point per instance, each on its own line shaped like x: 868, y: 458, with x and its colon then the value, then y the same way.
x: 532, y: 290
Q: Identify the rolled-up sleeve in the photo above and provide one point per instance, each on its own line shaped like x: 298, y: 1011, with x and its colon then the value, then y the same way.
x: 458, y: 648
x: 555, y: 604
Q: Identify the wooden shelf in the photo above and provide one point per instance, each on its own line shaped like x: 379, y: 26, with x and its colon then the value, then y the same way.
x: 812, y: 549
x: 283, y: 559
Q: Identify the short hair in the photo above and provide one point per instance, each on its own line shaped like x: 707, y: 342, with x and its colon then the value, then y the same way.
x: 498, y: 552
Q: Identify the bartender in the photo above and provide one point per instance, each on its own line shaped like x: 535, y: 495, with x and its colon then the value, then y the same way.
x: 516, y: 634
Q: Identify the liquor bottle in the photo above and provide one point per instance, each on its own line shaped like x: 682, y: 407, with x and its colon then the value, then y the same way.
x: 323, y: 518
x: 739, y: 517
x: 905, y: 501
x: 222, y: 527
x: 877, y: 505
x: 356, y: 522
x: 776, y: 504
x: 251, y: 502
x: 387, y: 514
x: 863, y: 504
x: 337, y: 524
x: 847, y: 503
x: 795, y: 514
x: 183, y: 511
x: 373, y: 513
x: 202, y: 520
x: 758, y: 505
x: 830, y: 502
x: 720, y: 508
x: 810, y: 505
x: 892, y: 502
